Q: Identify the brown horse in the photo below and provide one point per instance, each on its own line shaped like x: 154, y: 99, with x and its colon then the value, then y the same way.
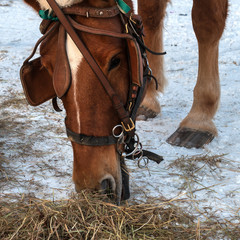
x: 89, y: 109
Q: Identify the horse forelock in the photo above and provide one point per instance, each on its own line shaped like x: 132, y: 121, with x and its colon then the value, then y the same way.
x: 62, y: 3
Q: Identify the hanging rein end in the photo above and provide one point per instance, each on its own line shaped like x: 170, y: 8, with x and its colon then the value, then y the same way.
x: 55, y: 105
x: 153, y: 156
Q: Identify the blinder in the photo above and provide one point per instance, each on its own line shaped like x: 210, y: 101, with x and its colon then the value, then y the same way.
x: 37, y: 83
x: 135, y: 62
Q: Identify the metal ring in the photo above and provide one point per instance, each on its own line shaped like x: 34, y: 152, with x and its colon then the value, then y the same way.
x: 115, y: 128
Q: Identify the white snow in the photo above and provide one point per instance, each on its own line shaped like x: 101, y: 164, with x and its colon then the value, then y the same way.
x: 33, y: 143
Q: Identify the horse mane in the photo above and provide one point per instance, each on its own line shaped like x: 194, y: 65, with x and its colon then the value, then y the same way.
x: 62, y: 3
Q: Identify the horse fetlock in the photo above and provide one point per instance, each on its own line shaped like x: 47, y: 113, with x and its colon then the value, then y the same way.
x: 200, y: 124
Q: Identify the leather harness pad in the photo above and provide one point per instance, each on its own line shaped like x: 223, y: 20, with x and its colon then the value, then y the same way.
x: 37, y: 83
x: 135, y: 62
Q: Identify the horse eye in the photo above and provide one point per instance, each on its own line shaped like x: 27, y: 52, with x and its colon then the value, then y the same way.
x: 115, y: 61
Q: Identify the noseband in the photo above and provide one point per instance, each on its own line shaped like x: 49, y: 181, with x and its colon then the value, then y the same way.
x: 138, y: 64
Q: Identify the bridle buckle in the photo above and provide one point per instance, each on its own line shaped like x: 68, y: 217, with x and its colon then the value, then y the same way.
x: 129, y: 127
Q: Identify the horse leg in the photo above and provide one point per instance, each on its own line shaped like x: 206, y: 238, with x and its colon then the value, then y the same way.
x: 197, y: 129
x: 152, y: 13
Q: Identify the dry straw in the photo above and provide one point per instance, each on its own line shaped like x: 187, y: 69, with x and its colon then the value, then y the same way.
x: 92, y: 216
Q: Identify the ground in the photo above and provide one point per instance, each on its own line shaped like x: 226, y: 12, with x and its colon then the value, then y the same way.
x: 36, y: 157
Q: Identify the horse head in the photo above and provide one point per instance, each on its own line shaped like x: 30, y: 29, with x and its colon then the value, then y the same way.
x: 95, y: 109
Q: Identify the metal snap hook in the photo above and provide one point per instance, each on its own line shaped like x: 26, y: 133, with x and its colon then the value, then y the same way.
x: 143, y: 162
x: 138, y: 154
x: 136, y: 147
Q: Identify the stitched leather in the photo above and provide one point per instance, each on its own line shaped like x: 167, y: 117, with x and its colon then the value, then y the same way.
x: 36, y: 82
x: 92, y: 12
x: 99, y: 31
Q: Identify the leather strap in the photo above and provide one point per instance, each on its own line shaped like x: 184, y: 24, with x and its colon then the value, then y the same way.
x: 40, y: 40
x: 92, y: 12
x: 87, y: 140
x: 99, y: 31
x: 55, y: 105
x: 44, y: 26
x: 152, y: 156
x: 116, y: 101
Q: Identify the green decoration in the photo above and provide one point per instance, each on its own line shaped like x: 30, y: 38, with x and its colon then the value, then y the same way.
x: 124, y: 8
x: 47, y: 16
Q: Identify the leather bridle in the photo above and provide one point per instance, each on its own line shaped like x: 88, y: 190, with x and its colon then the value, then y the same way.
x: 127, y: 114
x: 138, y: 63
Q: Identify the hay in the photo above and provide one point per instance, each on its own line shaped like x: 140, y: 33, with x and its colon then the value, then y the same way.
x: 88, y: 216
x: 192, y: 169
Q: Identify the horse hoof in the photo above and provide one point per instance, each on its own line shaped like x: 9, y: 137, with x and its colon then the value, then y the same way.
x: 190, y: 138
x: 144, y: 113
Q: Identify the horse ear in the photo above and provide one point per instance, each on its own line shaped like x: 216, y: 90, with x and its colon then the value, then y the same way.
x: 34, y: 4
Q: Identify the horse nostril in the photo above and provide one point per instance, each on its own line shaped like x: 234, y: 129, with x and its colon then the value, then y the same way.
x: 108, y: 187
x: 105, y: 184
